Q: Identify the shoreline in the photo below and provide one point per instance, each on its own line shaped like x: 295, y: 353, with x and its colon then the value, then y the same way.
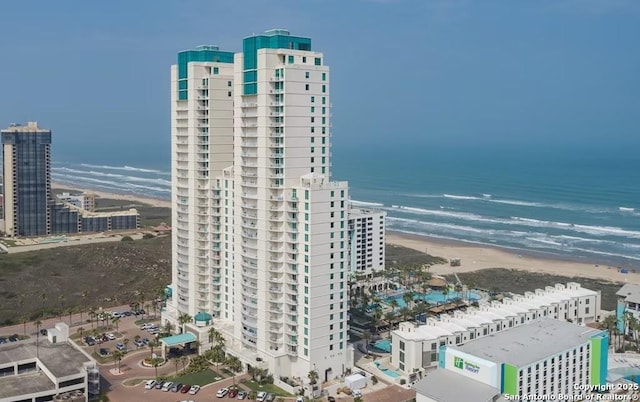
x: 474, y: 257
x: 478, y: 257
x: 151, y: 201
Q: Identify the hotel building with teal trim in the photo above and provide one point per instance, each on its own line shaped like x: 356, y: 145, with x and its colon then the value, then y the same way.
x: 260, y: 237
x: 544, y: 357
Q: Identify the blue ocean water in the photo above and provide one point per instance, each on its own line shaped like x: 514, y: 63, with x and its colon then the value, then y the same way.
x: 574, y: 204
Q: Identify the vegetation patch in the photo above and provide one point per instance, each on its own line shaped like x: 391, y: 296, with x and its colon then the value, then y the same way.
x: 50, y: 282
x: 201, y: 378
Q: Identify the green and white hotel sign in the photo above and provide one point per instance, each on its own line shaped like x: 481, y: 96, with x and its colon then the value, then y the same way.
x: 460, y: 363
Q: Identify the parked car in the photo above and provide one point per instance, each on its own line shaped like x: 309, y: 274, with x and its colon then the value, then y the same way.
x: 104, y: 338
x: 185, y: 388
x: 111, y: 336
x: 138, y: 342
x: 116, y: 314
x: 194, y: 389
x: 120, y: 346
x: 233, y: 392
x: 150, y: 384
x: 167, y: 386
x: 90, y: 340
x: 159, y: 385
x: 127, y: 313
x: 176, y: 387
x: 301, y: 399
x: 103, y: 351
x: 43, y: 331
x: 145, y: 341
x: 13, y: 338
x: 222, y: 392
x: 270, y: 397
x: 242, y: 395
x: 261, y: 396
x: 331, y: 399
x: 3, y: 340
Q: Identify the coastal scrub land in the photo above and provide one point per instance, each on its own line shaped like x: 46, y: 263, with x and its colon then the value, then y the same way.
x: 50, y: 282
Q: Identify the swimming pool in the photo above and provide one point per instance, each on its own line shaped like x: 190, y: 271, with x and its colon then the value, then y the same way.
x: 434, y: 297
x: 386, y: 371
x: 383, y: 344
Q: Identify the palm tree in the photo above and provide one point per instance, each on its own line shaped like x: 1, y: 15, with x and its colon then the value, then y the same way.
x: 408, y: 298
x: 366, y: 335
x: 126, y: 342
x: 24, y: 317
x: 183, y: 360
x: 70, y: 311
x: 115, y: 321
x: 136, y: 339
x: 43, y: 296
x: 183, y: 319
x: 212, y: 334
x: 84, y: 295
x: 80, y: 331
x: 394, y: 304
x: 156, y: 361
x: 405, y: 312
x: 168, y: 327
x: 38, y: 324
x: 61, y: 300
x: 388, y: 317
x: 609, y: 323
x: 176, y: 362
x: 377, y: 314
x: 117, y: 355
x: 313, y: 376
x: 153, y: 343
x: 92, y: 315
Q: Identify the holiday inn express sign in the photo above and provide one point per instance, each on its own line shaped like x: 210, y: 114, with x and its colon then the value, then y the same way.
x: 459, y: 362
x: 474, y: 367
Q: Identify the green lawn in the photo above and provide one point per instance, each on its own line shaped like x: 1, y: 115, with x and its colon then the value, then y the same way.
x: 254, y: 386
x: 201, y: 378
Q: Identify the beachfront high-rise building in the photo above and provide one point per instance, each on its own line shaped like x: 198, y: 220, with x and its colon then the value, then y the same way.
x: 367, y: 244
x: 260, y: 230
x: 29, y: 206
x: 26, y: 153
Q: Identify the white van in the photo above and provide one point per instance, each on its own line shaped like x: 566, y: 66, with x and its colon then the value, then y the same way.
x: 261, y: 396
x: 150, y: 384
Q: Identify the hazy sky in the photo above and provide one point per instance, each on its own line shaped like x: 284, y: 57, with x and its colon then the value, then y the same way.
x: 423, y: 72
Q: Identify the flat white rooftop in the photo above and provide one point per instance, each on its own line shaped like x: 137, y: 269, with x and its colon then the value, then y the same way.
x: 529, y: 343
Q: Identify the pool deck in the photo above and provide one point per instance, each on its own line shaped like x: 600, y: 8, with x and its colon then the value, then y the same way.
x: 621, y: 361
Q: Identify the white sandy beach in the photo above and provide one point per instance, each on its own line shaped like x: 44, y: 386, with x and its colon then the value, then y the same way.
x: 154, y: 202
x: 475, y: 258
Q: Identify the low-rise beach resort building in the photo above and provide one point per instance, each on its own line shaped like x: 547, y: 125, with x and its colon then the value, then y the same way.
x: 415, y: 347
x: 47, y: 368
x: 628, y: 303
x: 542, y: 357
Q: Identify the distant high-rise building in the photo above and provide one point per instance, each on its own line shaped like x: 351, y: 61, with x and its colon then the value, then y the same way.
x: 29, y: 206
x: 260, y: 230
x: 26, y: 152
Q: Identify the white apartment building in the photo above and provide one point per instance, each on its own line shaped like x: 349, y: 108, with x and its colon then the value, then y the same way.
x: 261, y: 231
x: 415, y: 347
x: 366, y: 240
